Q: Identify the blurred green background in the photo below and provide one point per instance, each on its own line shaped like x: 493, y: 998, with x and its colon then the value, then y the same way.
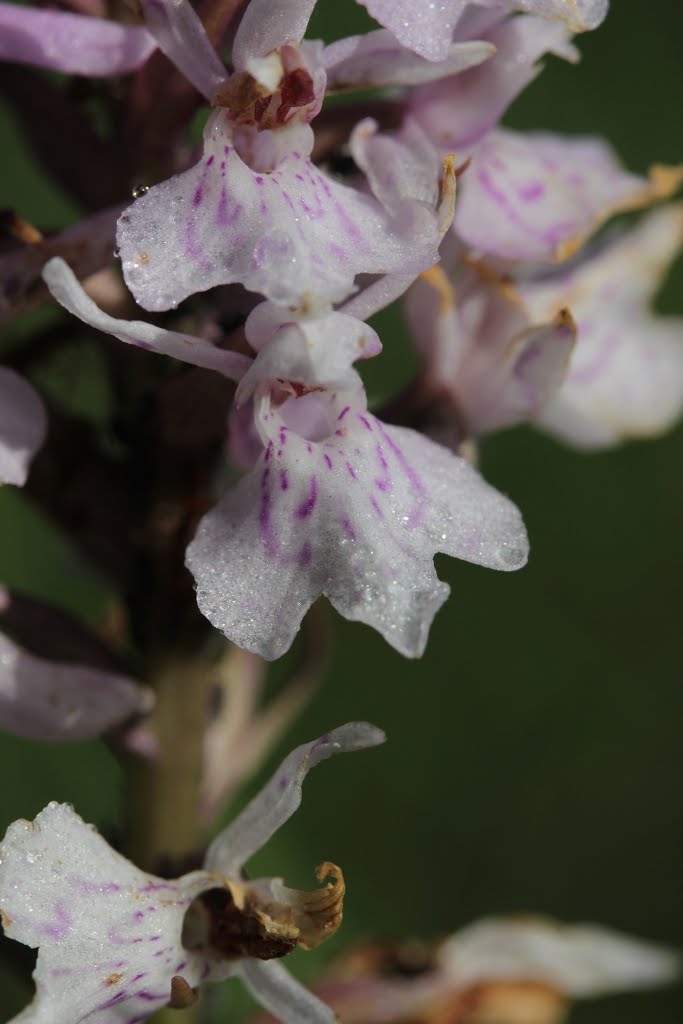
x: 534, y: 759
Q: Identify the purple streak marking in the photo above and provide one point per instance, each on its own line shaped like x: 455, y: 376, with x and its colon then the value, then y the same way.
x: 344, y: 411
x: 306, y: 508
x: 284, y: 479
x: 328, y: 460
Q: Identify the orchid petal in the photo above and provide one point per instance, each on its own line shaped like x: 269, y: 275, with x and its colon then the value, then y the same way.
x: 279, y: 993
x: 179, y: 34
x: 426, y: 28
x: 23, y: 424
x: 357, y: 516
x: 268, y: 25
x: 109, y: 934
x: 579, y: 15
x: 294, y: 234
x: 49, y: 700
x: 626, y: 375
x: 377, y: 59
x: 457, y: 111
x: 577, y: 960
x: 281, y: 796
x: 65, y: 288
x: 537, y: 197
x: 71, y: 43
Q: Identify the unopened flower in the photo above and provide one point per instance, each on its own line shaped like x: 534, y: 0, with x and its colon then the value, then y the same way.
x: 115, y: 944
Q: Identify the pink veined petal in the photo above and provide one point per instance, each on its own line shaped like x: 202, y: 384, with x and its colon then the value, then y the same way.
x: 356, y: 516
x: 180, y: 34
x: 72, y: 43
x: 267, y: 25
x: 281, y: 796
x: 377, y: 59
x: 537, y: 197
x: 279, y: 993
x: 66, y: 289
x: 458, y: 111
x: 626, y: 375
x: 55, y: 701
x: 293, y: 234
x: 580, y: 15
x: 421, y: 25
x: 23, y: 424
x: 109, y: 935
x: 577, y: 960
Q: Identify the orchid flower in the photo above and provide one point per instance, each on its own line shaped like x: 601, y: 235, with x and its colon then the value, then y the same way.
x: 495, y: 363
x: 337, y: 503
x: 115, y: 943
x: 23, y: 423
x: 507, y: 970
x: 625, y: 379
x: 255, y: 209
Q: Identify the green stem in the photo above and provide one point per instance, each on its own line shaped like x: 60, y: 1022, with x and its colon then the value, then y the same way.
x: 163, y: 797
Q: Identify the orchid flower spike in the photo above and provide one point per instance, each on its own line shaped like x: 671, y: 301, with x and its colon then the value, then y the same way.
x: 115, y: 944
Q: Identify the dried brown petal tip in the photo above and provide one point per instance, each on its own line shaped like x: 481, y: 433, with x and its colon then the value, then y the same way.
x: 317, y: 914
x: 182, y: 994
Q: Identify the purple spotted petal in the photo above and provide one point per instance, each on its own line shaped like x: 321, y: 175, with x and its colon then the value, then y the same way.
x: 377, y: 59
x: 181, y: 36
x: 267, y: 25
x: 293, y: 234
x: 421, y: 25
x: 281, y: 796
x: 579, y: 15
x: 65, y: 288
x: 71, y: 43
x: 536, y: 197
x: 109, y: 935
x: 356, y: 515
x: 49, y: 700
x: 580, y: 961
x: 22, y: 426
x: 626, y: 376
x: 458, y: 111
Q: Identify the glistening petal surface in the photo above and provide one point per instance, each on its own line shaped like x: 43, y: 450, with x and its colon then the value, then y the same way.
x: 294, y: 234
x: 109, y: 935
x: 421, y: 25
